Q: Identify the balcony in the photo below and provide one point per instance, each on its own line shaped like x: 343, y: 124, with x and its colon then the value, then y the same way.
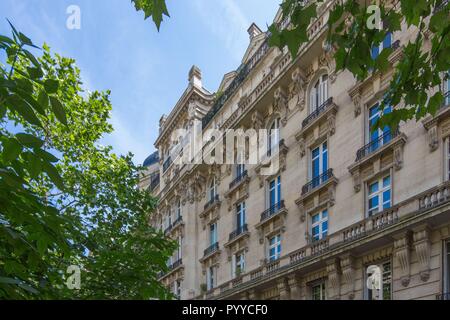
x: 238, y: 180
x: 376, y: 144
x: 323, y: 117
x: 211, y: 250
x: 174, y: 225
x: 316, y: 113
x: 211, y: 202
x: 273, y: 211
x: 171, y: 268
x: 154, y: 182
x: 238, y: 234
x: 317, y: 182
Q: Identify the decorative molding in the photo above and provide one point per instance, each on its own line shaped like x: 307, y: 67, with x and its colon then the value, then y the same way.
x: 298, y: 89
x: 280, y: 104
x: 422, y: 245
x: 402, y: 252
x: 348, y: 273
x: 334, y: 278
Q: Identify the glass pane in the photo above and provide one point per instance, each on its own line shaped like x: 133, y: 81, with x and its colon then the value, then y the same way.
x: 324, y: 228
x: 387, y: 181
x: 315, y: 232
x: 387, y: 199
x: 315, y: 218
x: 324, y: 213
x: 373, y: 203
x: 373, y: 188
x: 387, y: 40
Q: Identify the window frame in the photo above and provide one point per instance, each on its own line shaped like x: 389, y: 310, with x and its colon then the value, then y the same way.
x: 319, y: 92
x: 212, y: 189
x: 379, y: 193
x: 274, y: 135
x: 276, y: 189
x: 276, y: 246
x: 213, y: 233
x: 380, y: 132
x: 240, y: 215
x: 210, y: 278
x: 320, y: 223
x: 238, y: 262
x: 323, y: 290
x: 323, y: 165
x: 381, y: 46
x: 380, y: 264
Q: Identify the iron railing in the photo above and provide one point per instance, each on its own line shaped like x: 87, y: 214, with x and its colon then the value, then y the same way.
x: 211, y: 202
x: 211, y: 249
x: 240, y: 230
x: 317, y: 181
x: 316, y: 113
x: 238, y: 179
x: 375, y: 144
x: 173, y: 266
x: 242, y: 73
x: 272, y: 210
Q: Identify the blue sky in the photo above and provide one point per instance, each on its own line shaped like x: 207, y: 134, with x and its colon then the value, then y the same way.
x: 145, y: 70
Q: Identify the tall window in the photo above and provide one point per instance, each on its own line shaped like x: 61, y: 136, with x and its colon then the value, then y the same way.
x: 240, y: 215
x: 238, y: 264
x: 178, y: 251
x: 319, y: 93
x: 319, y: 163
x: 213, y: 233
x: 386, y: 43
x: 378, y: 281
x: 318, y: 291
x: 178, y: 211
x: 447, y: 158
x: 380, y: 195
x: 212, y: 189
x: 274, y: 136
x: 319, y: 225
x: 210, y: 278
x: 378, y: 137
x: 177, y: 289
x: 274, y: 192
x: 275, y: 247
x: 240, y: 168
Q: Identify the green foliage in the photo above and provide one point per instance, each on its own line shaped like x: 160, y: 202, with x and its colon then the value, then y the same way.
x: 418, y: 72
x: 82, y: 209
x: 152, y: 8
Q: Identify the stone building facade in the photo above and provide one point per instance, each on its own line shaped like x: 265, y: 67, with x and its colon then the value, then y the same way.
x: 346, y: 206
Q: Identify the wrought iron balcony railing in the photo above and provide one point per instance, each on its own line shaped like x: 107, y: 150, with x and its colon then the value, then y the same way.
x: 171, y: 267
x: 240, y: 230
x: 211, y: 202
x: 375, y: 144
x: 272, y: 210
x: 446, y: 99
x: 167, y: 164
x: 317, y: 181
x: 316, y: 113
x: 211, y: 249
x: 238, y: 179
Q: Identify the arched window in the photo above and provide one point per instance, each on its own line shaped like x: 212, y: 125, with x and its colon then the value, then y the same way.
x: 274, y: 135
x: 212, y: 189
x: 319, y: 93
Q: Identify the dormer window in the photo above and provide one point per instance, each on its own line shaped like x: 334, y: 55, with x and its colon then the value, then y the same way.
x: 319, y: 93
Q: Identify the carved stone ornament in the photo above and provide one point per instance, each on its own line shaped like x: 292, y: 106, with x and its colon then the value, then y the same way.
x: 422, y: 245
x: 280, y: 104
x: 298, y: 89
x: 402, y: 252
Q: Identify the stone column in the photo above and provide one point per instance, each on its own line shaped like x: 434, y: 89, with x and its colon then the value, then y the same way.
x: 283, y: 289
x: 294, y: 283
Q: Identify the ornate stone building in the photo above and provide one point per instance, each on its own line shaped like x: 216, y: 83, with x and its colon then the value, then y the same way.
x: 346, y: 204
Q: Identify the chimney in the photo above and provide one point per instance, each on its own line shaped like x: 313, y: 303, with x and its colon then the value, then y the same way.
x: 253, y: 31
x: 195, y: 77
